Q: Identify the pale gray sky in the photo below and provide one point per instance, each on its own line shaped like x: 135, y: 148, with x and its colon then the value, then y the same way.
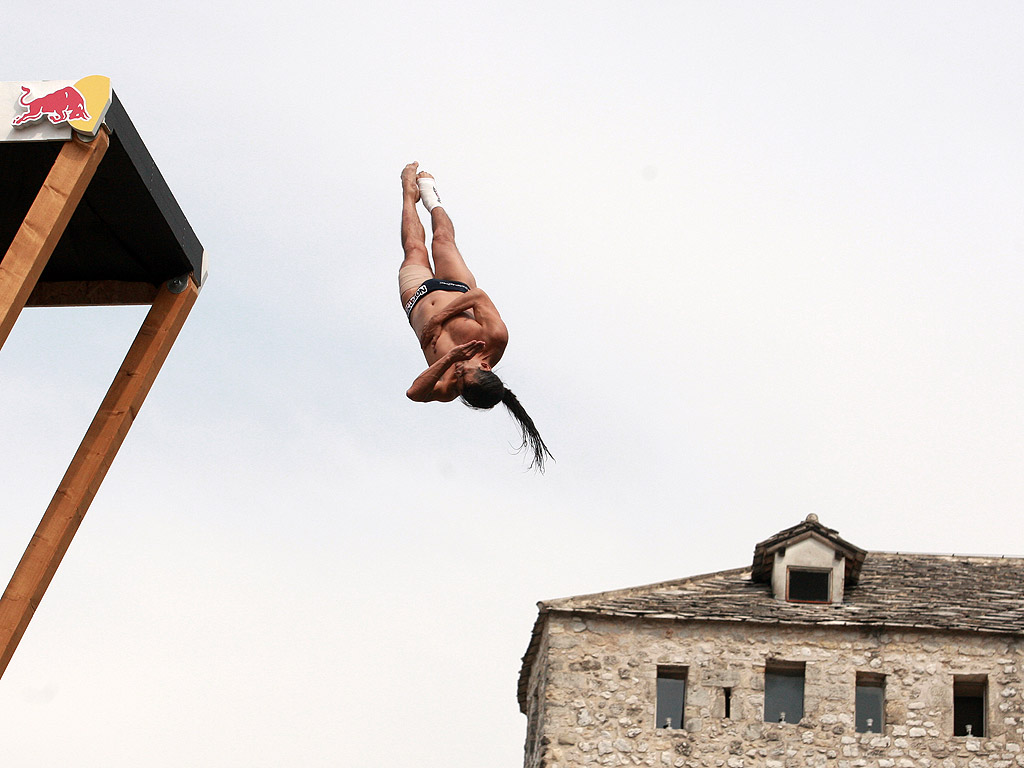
x: 757, y: 261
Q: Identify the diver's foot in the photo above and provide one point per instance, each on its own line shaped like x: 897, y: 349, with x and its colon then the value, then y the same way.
x: 428, y: 191
x: 409, y: 186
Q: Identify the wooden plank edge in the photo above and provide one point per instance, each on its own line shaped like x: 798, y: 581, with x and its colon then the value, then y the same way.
x: 92, y: 293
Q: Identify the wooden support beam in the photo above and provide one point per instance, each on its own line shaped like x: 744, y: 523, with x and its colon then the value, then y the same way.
x: 91, y: 293
x: 89, y: 466
x: 44, y: 224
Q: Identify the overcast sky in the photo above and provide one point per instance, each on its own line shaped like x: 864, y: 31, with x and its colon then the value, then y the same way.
x: 757, y: 260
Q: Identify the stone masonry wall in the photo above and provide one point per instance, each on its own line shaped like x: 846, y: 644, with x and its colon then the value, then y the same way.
x: 593, y: 688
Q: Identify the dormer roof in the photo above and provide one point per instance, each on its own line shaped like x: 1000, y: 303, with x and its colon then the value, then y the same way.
x: 764, y: 553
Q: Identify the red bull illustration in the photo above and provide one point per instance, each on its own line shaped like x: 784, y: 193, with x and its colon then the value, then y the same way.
x: 59, y: 107
x: 54, y: 110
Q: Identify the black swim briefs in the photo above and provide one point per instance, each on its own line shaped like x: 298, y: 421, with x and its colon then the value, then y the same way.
x: 429, y: 286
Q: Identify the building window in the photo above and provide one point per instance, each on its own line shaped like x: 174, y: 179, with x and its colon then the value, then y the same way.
x: 671, y: 697
x: 727, y: 701
x: 783, y: 692
x: 809, y: 586
x: 870, y: 703
x: 969, y: 695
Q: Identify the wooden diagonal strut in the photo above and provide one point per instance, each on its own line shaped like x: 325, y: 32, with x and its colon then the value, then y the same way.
x: 44, y: 224
x: 89, y: 466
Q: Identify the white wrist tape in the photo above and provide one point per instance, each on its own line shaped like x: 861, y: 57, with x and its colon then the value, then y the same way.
x: 428, y: 193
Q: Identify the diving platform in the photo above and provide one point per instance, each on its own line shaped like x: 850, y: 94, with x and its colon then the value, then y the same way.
x: 86, y: 219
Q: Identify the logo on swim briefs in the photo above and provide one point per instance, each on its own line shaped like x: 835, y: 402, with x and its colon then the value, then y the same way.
x: 420, y: 292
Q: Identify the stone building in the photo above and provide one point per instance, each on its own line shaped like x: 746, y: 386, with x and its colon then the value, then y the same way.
x: 817, y: 654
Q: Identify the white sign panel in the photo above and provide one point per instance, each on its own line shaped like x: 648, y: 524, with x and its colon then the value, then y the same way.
x: 12, y: 107
x: 50, y: 110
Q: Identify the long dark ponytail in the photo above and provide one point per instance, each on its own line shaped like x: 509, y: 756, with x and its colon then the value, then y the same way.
x: 485, y: 390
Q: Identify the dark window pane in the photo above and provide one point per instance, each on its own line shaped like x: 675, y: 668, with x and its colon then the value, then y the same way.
x: 870, y: 707
x: 968, y: 706
x: 783, y: 693
x: 809, y: 586
x: 671, y: 697
x: 968, y: 711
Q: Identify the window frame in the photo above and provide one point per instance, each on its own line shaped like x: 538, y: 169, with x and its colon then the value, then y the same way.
x: 670, y: 672
x: 970, y: 687
x: 791, y: 569
x: 784, y: 669
x: 871, y: 680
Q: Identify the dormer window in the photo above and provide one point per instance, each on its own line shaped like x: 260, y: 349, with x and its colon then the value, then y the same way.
x: 807, y: 563
x: 809, y: 585
x: 809, y: 570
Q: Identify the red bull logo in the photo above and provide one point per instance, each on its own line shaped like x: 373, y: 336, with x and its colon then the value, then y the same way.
x: 54, y: 110
x: 58, y: 107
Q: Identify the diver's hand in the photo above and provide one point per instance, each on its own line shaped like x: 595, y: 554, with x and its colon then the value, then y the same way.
x: 430, y: 334
x: 467, y: 350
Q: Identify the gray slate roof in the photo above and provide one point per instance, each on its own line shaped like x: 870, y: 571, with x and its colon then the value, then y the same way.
x: 949, y: 592
x: 940, y: 592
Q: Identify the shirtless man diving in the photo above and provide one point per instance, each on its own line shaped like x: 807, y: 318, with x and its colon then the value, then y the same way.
x: 460, y: 331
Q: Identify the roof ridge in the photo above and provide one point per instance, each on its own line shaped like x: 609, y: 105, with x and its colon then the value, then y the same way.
x: 963, y: 555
